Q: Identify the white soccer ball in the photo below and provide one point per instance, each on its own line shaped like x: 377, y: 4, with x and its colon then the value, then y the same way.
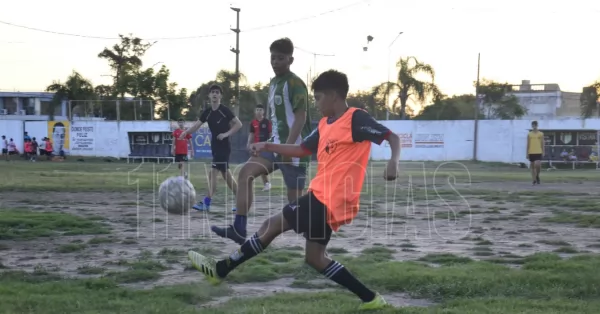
x: 177, y: 195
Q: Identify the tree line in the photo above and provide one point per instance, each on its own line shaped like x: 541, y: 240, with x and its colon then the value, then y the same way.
x: 413, y: 93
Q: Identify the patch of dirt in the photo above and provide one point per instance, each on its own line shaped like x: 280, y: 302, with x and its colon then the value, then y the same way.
x: 408, y: 230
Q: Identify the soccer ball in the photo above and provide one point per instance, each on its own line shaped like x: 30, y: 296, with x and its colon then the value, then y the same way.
x: 176, y: 195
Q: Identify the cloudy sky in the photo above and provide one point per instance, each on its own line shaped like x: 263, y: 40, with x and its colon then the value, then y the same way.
x: 542, y: 41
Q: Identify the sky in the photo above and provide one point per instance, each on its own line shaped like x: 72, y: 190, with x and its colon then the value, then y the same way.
x: 550, y: 41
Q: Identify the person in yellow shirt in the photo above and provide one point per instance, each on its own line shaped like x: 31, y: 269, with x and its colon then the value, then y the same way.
x: 535, y: 151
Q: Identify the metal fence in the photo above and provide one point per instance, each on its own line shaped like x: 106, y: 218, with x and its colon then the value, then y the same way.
x: 117, y: 110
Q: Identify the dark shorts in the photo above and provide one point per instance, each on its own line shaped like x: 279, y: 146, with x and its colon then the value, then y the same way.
x: 293, y: 176
x: 180, y: 157
x: 309, y: 217
x: 535, y: 157
x: 220, y: 159
x: 4, y: 151
x: 12, y: 153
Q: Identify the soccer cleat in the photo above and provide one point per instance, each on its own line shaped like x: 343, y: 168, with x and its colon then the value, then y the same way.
x: 267, y: 186
x: 377, y: 304
x: 201, y: 207
x: 234, y: 209
x: 238, y: 237
x: 204, y: 265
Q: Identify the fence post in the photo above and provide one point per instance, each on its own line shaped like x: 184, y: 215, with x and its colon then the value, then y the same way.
x: 118, y: 110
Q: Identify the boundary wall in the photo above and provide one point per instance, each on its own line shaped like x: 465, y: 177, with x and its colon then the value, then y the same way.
x: 498, y: 140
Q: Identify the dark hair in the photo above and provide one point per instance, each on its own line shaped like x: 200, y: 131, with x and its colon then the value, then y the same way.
x: 332, y: 80
x: 215, y: 87
x: 534, y: 122
x: 260, y: 106
x: 180, y: 120
x: 283, y: 45
x: 3, y: 136
x: 57, y: 124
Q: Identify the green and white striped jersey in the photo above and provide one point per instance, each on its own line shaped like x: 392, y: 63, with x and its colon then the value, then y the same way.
x: 287, y: 94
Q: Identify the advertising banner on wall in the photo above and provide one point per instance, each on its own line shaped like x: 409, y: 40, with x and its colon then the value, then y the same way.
x: 200, y: 140
x: 429, y: 140
x: 82, y: 140
x: 58, y: 133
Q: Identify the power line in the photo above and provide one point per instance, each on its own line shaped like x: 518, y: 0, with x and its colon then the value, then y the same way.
x: 191, y: 37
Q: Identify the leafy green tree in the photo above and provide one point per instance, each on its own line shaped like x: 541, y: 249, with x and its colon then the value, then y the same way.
x: 76, y: 87
x: 409, y: 85
x: 125, y: 61
x: 498, y: 103
x: 588, y: 100
x: 461, y: 107
x: 369, y: 101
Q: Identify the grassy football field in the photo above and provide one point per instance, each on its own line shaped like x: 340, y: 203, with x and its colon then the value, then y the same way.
x: 456, y: 237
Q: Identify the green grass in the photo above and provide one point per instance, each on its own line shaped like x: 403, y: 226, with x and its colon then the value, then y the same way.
x: 43, y: 293
x: 545, y: 284
x: 26, y: 224
x: 564, y: 281
x: 119, y: 177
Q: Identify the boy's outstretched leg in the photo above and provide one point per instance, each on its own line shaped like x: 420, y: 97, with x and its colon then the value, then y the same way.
x: 244, y: 198
x: 215, y: 271
x: 316, y: 257
x: 310, y: 218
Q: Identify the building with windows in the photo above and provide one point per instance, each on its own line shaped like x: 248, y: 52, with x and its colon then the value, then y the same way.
x: 546, y: 101
x: 30, y: 106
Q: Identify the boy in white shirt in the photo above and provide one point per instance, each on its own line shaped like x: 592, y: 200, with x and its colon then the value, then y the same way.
x: 4, y: 143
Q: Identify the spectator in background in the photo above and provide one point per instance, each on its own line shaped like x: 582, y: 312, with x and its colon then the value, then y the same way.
x: 48, y: 148
x: 27, y: 150
x: 260, y: 131
x: 4, y: 147
x: 12, y: 148
x: 43, y: 147
x: 26, y: 137
x: 35, y: 146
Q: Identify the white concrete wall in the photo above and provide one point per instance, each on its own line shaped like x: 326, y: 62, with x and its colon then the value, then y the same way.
x: 13, y: 129
x: 97, y: 138
x: 498, y: 140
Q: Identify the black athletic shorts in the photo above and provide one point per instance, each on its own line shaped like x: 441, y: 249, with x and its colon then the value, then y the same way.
x: 220, y: 159
x: 309, y: 216
x: 4, y: 151
x: 535, y: 157
x: 181, y: 157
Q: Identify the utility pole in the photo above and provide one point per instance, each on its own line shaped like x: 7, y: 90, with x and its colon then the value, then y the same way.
x: 236, y: 50
x: 477, y: 98
x: 313, y: 71
x: 387, y: 94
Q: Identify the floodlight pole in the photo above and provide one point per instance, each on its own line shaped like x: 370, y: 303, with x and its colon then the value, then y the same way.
x: 236, y: 50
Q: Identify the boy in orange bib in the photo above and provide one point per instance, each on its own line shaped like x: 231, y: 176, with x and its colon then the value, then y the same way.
x: 342, y: 143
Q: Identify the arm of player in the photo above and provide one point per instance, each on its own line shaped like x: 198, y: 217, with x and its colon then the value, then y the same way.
x: 197, y: 125
x: 270, y: 128
x: 191, y: 145
x: 308, y: 147
x: 543, y: 144
x: 236, y: 126
x: 366, y: 128
x: 527, y: 147
x: 250, y: 136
